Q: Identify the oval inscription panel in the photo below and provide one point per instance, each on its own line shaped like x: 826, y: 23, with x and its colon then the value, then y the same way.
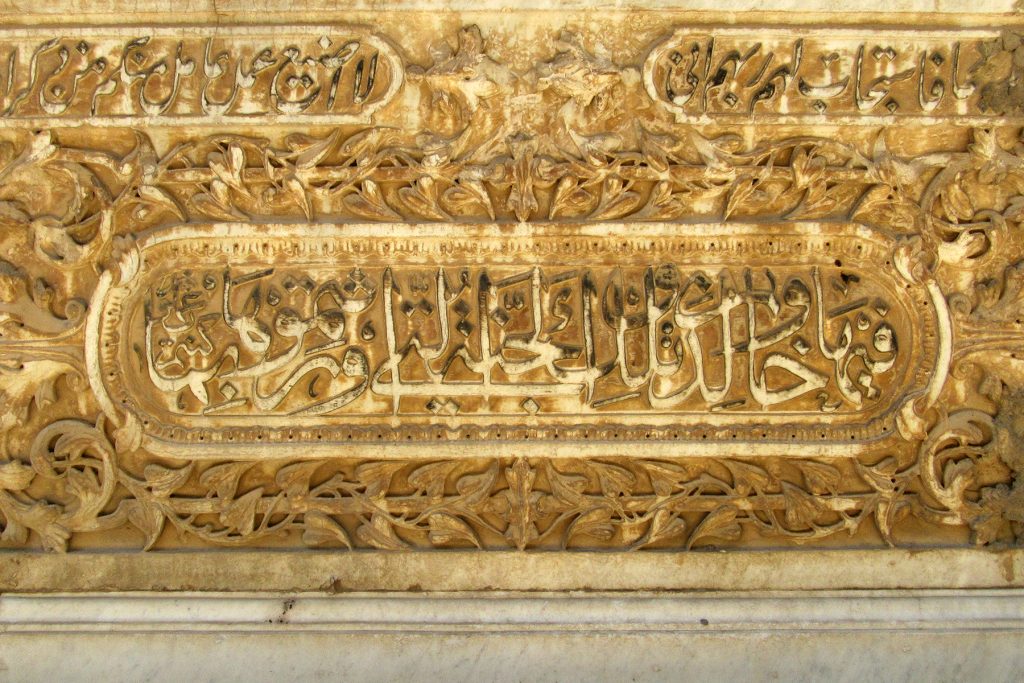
x: 687, y: 338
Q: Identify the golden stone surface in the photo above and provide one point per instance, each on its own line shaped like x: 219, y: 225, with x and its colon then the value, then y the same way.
x: 510, y: 280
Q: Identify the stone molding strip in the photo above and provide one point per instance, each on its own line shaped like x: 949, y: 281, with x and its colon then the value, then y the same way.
x: 910, y: 635
x: 497, y: 613
x: 510, y: 571
x: 171, y: 11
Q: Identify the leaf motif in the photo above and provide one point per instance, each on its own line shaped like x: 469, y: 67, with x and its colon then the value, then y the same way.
x: 422, y: 199
x: 148, y: 519
x: 321, y: 530
x: 801, y: 508
x: 376, y: 476
x: 54, y: 537
x: 46, y: 392
x: 522, y: 199
x: 988, y: 520
x: 821, y: 478
x: 297, y: 191
x: 14, y: 476
x: 1015, y: 209
x: 12, y: 216
x: 163, y: 481
x: 466, y: 195
x: 742, y: 189
x: 42, y: 519
x: 567, y: 489
x: 241, y: 513
x: 19, y: 385
x: 717, y: 154
x: 368, y: 202
x: 986, y: 528
x: 664, y: 524
x: 614, y: 480
x: 379, y: 533
x: 570, y: 198
x: 967, y: 245
x: 888, y: 510
x: 807, y: 167
x: 161, y: 199
x: 11, y: 414
x: 881, y: 476
x: 615, y: 201
x: 14, y: 533
x: 985, y: 146
x: 595, y: 523
x: 41, y: 147
x: 957, y: 475
x: 83, y: 485
x: 719, y: 523
x: 747, y: 477
x: 307, y: 151
x: 217, y: 203
x: 992, y: 173
x: 882, y: 205
x: 889, y: 169
x: 821, y: 199
x: 128, y: 437
x: 362, y: 145
x: 662, y: 204
x: 51, y: 241
x: 956, y: 204
x: 294, y: 479
x: 224, y: 478
x: 596, y: 148
x: 521, y: 528
x: 228, y: 167
x: 475, y: 488
x: 446, y: 529
x: 430, y: 479
x: 656, y: 150
x: 665, y: 476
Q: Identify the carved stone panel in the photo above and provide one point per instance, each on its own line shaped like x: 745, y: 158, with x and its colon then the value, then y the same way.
x: 555, y: 285
x: 483, y: 337
x: 116, y: 76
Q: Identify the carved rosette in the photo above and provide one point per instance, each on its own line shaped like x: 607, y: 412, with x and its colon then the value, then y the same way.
x: 583, y: 304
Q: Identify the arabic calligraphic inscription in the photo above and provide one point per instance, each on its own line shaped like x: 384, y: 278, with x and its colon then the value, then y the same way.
x: 327, y: 334
x: 341, y: 287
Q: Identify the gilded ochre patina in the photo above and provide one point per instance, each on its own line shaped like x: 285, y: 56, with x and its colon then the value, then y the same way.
x: 348, y: 287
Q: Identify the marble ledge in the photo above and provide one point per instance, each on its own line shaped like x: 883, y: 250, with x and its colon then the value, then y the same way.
x: 908, y: 635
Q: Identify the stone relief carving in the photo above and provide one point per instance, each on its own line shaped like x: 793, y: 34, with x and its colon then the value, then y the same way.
x: 113, y: 76
x: 847, y: 75
x: 550, y: 314
x: 589, y: 348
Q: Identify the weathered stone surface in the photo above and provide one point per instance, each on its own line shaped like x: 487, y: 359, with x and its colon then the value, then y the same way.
x: 805, y: 636
x: 634, y: 279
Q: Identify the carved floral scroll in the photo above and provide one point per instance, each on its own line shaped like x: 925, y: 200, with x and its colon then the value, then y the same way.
x: 480, y: 307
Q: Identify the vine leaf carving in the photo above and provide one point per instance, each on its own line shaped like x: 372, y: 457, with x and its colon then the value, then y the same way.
x: 719, y: 523
x: 322, y: 530
x: 379, y: 533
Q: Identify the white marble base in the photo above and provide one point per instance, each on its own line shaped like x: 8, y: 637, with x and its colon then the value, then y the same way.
x: 833, y: 636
